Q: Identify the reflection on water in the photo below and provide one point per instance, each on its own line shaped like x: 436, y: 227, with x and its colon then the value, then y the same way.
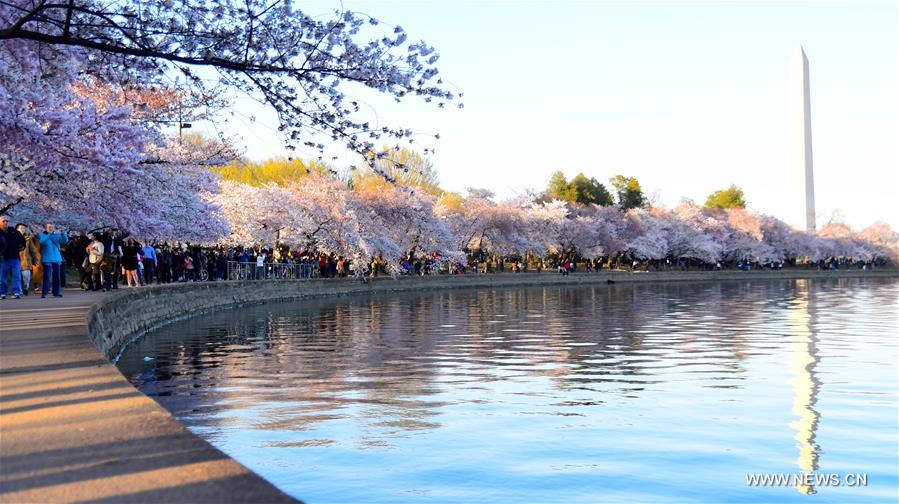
x: 622, y: 393
x: 803, y: 359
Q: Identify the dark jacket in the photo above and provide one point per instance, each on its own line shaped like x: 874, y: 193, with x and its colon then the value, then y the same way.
x: 14, y: 243
x: 129, y: 257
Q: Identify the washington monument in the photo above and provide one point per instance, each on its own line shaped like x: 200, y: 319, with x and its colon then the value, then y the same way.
x: 803, y: 140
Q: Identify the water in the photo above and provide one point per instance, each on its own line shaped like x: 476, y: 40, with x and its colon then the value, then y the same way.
x: 610, y: 394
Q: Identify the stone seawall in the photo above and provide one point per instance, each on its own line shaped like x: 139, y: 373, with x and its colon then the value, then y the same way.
x: 127, y: 315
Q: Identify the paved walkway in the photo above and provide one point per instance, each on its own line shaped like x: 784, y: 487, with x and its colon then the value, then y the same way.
x: 73, y: 429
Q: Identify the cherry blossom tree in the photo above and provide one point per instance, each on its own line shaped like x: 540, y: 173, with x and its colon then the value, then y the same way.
x: 883, y: 239
x: 838, y: 240
x: 745, y: 239
x: 688, y: 234
x: 153, y: 107
x: 545, y: 227
x: 59, y: 153
x: 302, y: 66
x: 397, y: 223
x: 86, y: 84
x: 784, y: 241
x: 81, y: 157
x: 321, y: 213
x: 646, y: 235
x: 251, y: 211
x: 610, y: 228
x: 314, y: 212
x: 497, y: 228
x: 587, y: 231
x: 812, y: 247
x: 324, y: 215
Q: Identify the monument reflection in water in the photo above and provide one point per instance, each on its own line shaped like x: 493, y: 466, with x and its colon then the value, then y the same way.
x: 622, y: 393
x: 803, y: 359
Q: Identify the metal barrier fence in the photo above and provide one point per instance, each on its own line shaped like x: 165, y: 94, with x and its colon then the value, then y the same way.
x: 270, y: 271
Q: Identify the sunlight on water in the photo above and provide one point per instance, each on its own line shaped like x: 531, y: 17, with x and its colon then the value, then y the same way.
x: 607, y: 394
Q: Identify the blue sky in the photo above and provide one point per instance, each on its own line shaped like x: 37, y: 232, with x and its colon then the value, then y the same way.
x: 687, y: 96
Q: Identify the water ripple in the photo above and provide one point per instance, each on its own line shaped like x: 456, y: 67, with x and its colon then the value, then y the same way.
x: 622, y: 393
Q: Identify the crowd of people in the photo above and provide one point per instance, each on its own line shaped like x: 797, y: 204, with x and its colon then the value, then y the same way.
x: 106, y: 258
x: 103, y: 260
x: 22, y: 251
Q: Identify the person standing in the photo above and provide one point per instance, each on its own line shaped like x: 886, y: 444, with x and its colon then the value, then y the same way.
x: 77, y: 255
x: 165, y: 271
x: 27, y: 257
x: 178, y: 273
x: 95, y: 251
x: 260, y: 265
x: 222, y: 265
x: 188, y: 265
x: 199, y: 263
x: 110, y: 260
x: 11, y: 265
x: 51, y: 258
x: 149, y: 263
x: 112, y: 242
x: 129, y: 263
x: 2, y: 244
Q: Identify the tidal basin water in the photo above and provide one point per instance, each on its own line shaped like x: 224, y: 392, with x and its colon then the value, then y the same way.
x: 647, y: 393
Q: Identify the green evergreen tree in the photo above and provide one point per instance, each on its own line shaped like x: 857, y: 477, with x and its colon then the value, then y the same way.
x: 589, y: 190
x: 558, y: 187
x: 579, y: 189
x: 630, y: 194
x: 732, y: 197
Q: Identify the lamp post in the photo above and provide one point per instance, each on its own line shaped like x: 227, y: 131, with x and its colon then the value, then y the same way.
x: 182, y: 126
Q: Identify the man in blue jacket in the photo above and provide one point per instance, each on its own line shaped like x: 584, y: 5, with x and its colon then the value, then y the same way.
x: 14, y: 243
x: 51, y: 258
x: 149, y: 254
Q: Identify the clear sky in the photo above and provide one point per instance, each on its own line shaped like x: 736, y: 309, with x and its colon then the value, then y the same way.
x: 689, y: 97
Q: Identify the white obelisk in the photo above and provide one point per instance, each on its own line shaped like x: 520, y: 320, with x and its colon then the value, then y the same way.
x: 803, y: 141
